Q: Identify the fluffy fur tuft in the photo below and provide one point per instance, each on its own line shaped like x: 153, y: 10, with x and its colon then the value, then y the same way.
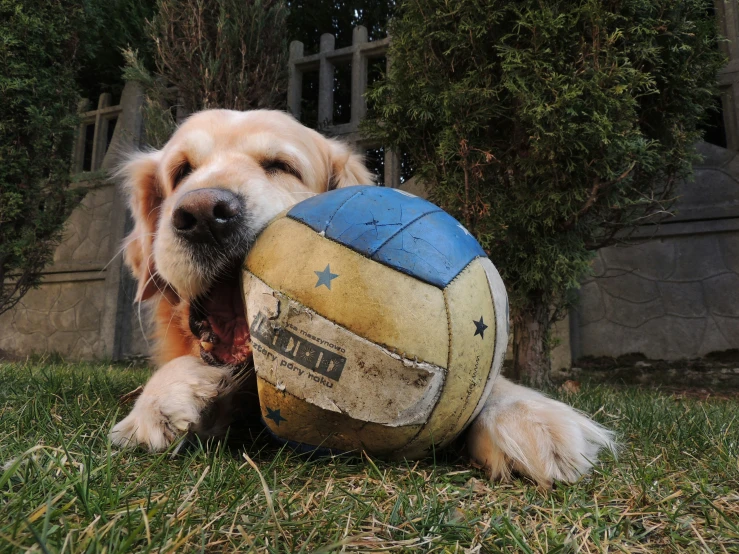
x: 520, y: 429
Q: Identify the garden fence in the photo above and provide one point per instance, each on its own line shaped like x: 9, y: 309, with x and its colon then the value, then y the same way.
x: 674, y: 294
x: 325, y: 62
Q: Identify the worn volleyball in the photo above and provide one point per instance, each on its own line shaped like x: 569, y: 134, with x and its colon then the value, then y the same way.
x: 377, y: 323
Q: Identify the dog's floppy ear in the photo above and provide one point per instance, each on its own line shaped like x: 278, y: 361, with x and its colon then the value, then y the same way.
x: 347, y: 168
x: 140, y: 181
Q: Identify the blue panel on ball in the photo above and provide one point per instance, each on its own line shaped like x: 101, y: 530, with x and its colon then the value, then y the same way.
x: 317, y: 211
x: 394, y: 228
x: 434, y: 249
x: 374, y: 216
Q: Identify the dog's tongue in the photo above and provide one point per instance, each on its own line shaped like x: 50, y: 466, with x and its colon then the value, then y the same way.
x: 219, y: 322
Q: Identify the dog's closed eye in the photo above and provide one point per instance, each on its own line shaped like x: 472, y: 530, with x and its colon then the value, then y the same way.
x: 274, y: 166
x: 182, y: 170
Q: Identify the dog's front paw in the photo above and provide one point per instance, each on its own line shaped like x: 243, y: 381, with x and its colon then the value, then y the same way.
x: 522, y: 430
x: 146, y: 426
x: 171, y: 403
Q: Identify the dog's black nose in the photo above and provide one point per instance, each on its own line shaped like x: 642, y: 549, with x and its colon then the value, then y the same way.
x: 207, y: 215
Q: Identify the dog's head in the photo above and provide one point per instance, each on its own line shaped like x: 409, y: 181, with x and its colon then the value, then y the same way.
x: 199, y: 202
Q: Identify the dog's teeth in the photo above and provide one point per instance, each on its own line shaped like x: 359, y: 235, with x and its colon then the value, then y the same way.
x: 207, y: 346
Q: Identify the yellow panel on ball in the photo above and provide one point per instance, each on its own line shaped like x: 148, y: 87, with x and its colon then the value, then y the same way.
x: 324, y: 364
x: 471, y: 348
x: 293, y: 419
x: 370, y: 299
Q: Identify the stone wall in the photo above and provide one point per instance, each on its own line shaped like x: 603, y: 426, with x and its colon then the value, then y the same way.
x: 674, y: 292
x: 64, y: 315
x: 83, y: 308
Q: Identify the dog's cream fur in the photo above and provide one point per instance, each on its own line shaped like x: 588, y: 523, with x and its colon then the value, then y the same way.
x: 518, y: 429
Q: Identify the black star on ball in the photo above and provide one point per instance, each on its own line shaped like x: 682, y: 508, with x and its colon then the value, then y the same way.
x: 275, y: 416
x: 480, y: 328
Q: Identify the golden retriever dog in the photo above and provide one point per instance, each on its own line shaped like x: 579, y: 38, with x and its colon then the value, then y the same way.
x: 198, y: 204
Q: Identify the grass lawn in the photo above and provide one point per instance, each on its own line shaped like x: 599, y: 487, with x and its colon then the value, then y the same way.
x: 675, y: 486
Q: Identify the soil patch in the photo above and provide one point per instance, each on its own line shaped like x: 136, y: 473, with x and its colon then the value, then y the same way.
x: 715, y: 376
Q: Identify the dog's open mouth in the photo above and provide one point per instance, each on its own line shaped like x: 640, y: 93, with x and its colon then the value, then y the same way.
x: 218, y: 320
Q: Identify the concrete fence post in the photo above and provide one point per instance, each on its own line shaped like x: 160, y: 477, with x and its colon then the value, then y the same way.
x: 295, y: 79
x: 728, y: 23
x: 116, y: 331
x: 392, y: 159
x: 359, y: 77
x: 326, y: 83
x: 392, y: 169
x: 78, y: 154
x: 100, y: 138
